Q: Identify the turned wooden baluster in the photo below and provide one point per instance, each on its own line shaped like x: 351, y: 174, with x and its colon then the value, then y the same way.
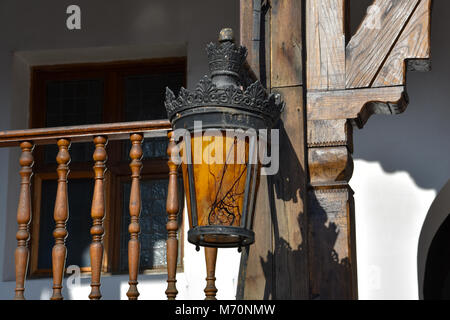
x: 210, y: 257
x: 23, y: 219
x: 172, y: 224
x: 135, y: 210
x: 61, y: 214
x: 98, y: 214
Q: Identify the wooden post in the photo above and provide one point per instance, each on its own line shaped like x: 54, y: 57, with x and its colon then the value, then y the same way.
x: 23, y: 219
x: 98, y: 214
x: 210, y: 258
x: 61, y: 215
x: 134, y: 229
x: 331, y: 211
x: 172, y: 208
x: 274, y: 267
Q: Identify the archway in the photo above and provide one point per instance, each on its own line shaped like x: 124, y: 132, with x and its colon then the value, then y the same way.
x: 433, y: 259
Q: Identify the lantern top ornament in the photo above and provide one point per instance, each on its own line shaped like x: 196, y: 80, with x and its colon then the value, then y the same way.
x: 221, y: 100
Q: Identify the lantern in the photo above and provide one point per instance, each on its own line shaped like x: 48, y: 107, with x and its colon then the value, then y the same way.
x: 221, y: 123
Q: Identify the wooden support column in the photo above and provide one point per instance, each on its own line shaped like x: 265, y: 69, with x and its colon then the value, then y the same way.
x: 61, y: 214
x: 331, y: 210
x: 274, y: 267
x: 98, y: 214
x: 210, y: 258
x: 134, y: 246
x: 172, y: 207
x: 23, y: 219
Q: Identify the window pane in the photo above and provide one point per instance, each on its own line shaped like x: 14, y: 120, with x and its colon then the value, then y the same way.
x: 153, y: 220
x: 144, y: 100
x: 80, y: 193
x: 152, y: 148
x: 70, y: 103
x: 144, y: 95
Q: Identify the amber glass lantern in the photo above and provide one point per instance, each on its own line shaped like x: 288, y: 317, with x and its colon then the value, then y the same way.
x: 221, y: 123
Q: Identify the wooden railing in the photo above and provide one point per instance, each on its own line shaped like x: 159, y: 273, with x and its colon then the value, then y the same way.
x: 99, y: 135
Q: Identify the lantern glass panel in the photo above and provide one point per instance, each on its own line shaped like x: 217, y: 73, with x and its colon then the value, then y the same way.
x: 219, y: 178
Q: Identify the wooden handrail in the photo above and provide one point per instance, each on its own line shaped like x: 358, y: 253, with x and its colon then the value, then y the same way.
x: 84, y: 133
x: 99, y: 134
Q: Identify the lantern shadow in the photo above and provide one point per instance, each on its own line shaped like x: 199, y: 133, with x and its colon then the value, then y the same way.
x: 305, y: 266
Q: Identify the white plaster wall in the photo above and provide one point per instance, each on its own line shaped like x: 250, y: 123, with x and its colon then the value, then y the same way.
x: 34, y: 33
x: 390, y: 210
x: 401, y: 164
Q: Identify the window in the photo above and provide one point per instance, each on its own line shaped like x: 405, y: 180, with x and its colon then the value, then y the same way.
x: 67, y: 95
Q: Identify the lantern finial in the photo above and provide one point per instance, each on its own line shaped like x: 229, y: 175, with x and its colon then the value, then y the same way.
x: 225, y: 60
x: 226, y: 34
x: 223, y: 93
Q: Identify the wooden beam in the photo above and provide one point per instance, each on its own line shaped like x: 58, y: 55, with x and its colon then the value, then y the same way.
x: 374, y: 40
x: 286, y: 44
x: 414, y: 43
x: 357, y: 103
x: 325, y: 32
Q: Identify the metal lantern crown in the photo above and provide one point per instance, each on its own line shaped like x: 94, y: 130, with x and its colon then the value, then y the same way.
x: 220, y: 120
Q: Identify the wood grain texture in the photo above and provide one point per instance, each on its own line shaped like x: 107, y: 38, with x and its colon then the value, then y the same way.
x: 332, y: 252
x: 288, y: 200
x: 255, y: 280
x: 134, y: 245
x: 326, y: 133
x: 247, y: 35
x: 286, y: 46
x: 61, y: 214
x: 356, y: 104
x: 210, y: 259
x: 275, y: 266
x: 84, y: 133
x: 325, y: 40
x: 22, y: 252
x: 98, y: 214
x: 172, y: 208
x: 414, y: 43
x: 332, y: 244
x: 374, y: 40
x: 329, y: 165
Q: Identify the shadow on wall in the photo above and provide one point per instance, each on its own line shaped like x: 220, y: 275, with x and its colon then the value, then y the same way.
x: 286, y: 267
x: 433, y: 258
x: 415, y: 141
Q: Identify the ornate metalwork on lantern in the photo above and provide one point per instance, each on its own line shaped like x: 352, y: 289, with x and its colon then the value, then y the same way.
x: 221, y: 121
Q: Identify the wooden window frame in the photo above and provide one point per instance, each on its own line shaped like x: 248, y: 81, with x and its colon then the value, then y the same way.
x: 113, y: 74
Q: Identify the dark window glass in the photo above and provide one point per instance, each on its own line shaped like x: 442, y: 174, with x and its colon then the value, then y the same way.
x: 144, y: 95
x: 71, y: 103
x: 144, y: 100
x: 78, y: 224
x: 77, y: 100
x: 153, y: 220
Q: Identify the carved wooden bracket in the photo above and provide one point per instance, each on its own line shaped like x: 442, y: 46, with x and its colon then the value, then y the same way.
x: 368, y: 75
